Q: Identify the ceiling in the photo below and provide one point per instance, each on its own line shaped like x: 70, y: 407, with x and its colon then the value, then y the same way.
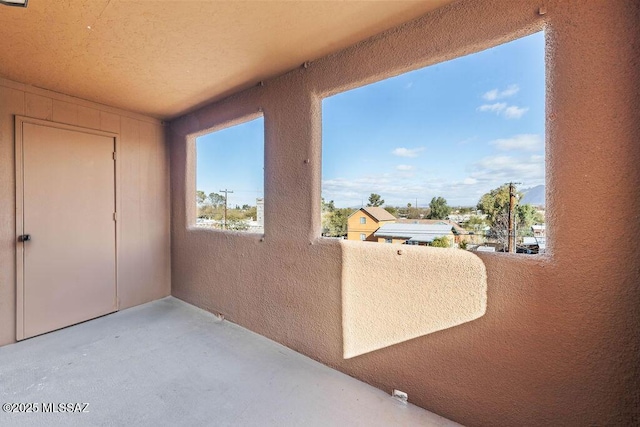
x: 165, y: 58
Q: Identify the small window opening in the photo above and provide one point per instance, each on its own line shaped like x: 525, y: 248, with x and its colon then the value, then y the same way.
x: 230, y: 178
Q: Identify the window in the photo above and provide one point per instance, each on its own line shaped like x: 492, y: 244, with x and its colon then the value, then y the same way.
x: 363, y: 220
x: 445, y: 145
x: 388, y: 240
x: 363, y: 236
x: 230, y: 178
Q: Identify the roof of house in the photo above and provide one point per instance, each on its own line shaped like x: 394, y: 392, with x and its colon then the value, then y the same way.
x: 457, y: 228
x: 414, y: 232
x: 379, y: 214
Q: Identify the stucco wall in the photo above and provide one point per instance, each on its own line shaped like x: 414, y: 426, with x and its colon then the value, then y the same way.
x: 559, y: 342
x: 144, y: 245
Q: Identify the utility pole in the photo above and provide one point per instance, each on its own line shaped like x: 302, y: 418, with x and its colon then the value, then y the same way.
x: 511, y: 242
x: 225, y: 191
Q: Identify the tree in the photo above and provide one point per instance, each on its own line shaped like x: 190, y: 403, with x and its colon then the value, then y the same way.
x: 375, y: 200
x: 438, y: 208
x: 495, y: 204
x: 416, y: 213
x: 251, y: 213
x: 328, y: 206
x: 441, y: 242
x: 527, y: 216
x: 216, y: 199
x: 200, y: 197
x: 335, y: 223
x: 393, y: 211
x: 476, y: 224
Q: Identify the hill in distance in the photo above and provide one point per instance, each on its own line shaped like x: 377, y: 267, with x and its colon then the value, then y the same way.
x: 534, y: 195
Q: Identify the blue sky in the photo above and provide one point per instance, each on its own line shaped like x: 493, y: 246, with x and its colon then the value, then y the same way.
x: 233, y: 159
x: 455, y: 129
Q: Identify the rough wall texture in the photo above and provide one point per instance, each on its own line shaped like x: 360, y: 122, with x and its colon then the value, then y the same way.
x: 391, y: 294
x: 144, y: 246
x: 559, y: 342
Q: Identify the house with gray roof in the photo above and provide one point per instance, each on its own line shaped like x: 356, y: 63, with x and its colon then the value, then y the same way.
x: 413, y: 234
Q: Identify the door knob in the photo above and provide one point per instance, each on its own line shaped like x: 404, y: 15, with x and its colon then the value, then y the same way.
x: 24, y: 238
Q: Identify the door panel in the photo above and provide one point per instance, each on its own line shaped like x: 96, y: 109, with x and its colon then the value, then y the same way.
x: 69, y: 265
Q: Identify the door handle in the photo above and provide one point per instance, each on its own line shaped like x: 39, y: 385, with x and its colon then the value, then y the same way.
x: 24, y: 238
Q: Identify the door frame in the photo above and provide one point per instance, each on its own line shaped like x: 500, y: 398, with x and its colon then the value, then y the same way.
x: 19, y: 157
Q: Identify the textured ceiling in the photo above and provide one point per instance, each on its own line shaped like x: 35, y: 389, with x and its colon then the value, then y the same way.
x: 164, y: 58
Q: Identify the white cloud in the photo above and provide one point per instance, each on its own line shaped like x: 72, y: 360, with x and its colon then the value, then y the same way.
x: 404, y: 167
x: 527, y: 142
x: 494, y: 94
x: 407, y: 152
x: 502, y: 108
x: 496, y: 170
x: 396, y: 188
x: 513, y: 112
x: 497, y: 107
x: 399, y: 188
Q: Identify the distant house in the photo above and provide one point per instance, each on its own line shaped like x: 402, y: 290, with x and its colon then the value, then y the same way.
x: 539, y: 230
x: 414, y: 234
x: 365, y: 221
x: 459, y: 233
x: 537, y: 243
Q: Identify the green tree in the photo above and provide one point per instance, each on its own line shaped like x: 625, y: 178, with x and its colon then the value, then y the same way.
x: 441, y: 242
x: 393, y: 211
x: 251, y: 213
x: 375, y: 200
x: 438, y: 208
x: 335, y: 223
x: 216, y: 199
x: 527, y: 215
x: 328, y: 206
x: 209, y: 212
x: 201, y: 197
x: 495, y: 204
x: 476, y: 224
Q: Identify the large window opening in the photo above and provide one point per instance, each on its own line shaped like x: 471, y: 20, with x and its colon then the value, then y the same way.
x: 451, y: 155
x: 230, y: 178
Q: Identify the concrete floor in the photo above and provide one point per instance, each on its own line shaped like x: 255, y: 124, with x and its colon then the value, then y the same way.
x: 169, y: 363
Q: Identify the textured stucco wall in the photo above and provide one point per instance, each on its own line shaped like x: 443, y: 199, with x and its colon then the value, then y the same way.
x: 394, y: 293
x: 559, y: 342
x: 144, y: 240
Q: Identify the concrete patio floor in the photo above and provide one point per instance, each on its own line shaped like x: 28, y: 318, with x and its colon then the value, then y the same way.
x: 169, y: 363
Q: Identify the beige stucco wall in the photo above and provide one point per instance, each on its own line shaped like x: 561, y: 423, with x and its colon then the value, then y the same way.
x: 559, y: 342
x: 144, y: 245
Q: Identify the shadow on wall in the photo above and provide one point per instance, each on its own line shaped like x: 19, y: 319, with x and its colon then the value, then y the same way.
x: 392, y: 294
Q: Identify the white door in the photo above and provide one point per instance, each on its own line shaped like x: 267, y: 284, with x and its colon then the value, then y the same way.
x: 66, y: 227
